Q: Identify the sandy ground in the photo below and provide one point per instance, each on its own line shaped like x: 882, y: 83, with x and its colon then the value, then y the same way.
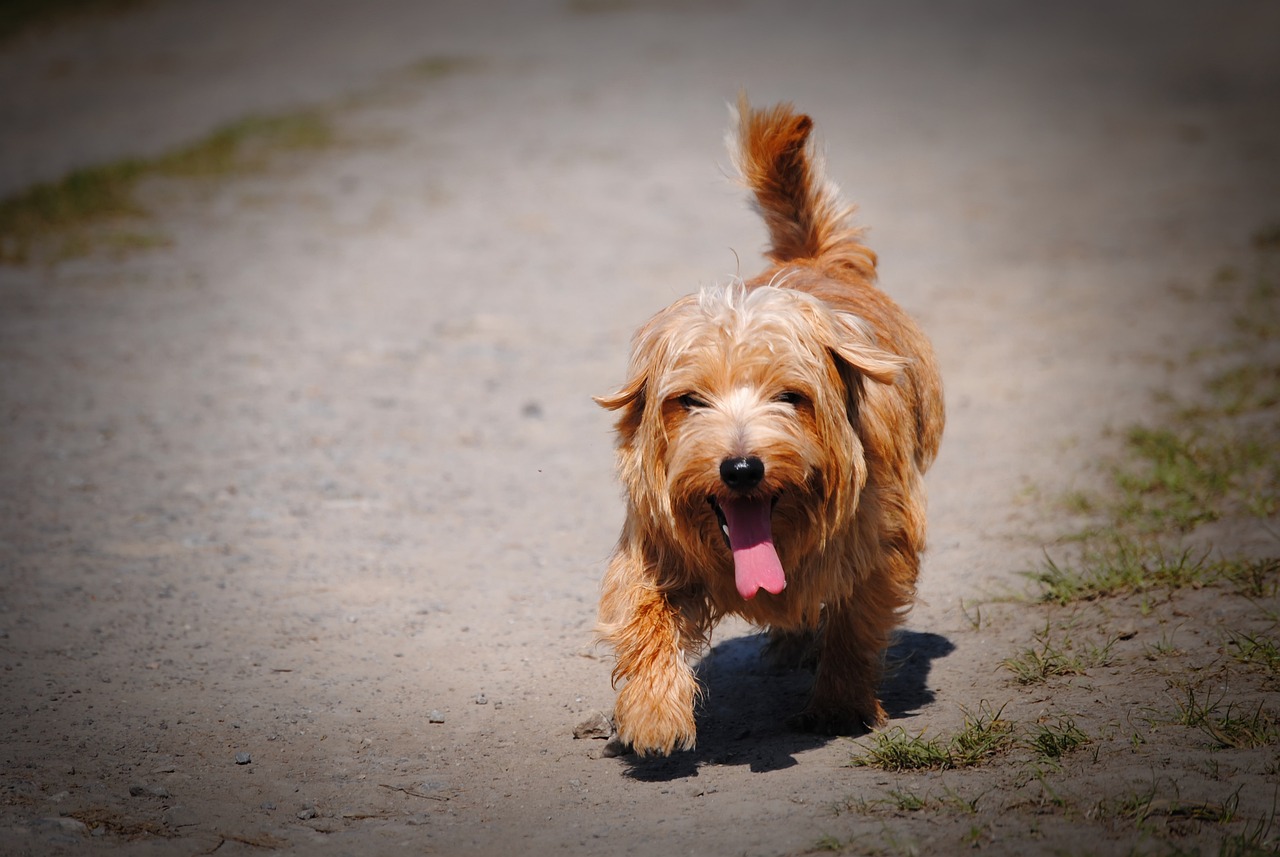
x: 321, y: 481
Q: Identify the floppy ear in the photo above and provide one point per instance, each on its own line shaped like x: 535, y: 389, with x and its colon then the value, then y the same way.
x: 632, y: 391
x: 854, y: 345
x: 630, y: 400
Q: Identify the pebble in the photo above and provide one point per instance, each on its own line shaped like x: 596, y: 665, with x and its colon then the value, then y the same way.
x: 481, y: 699
x: 597, y: 725
x: 179, y: 816
x: 308, y: 813
x: 61, y: 824
x: 243, y: 758
x: 139, y: 790
x: 435, y: 717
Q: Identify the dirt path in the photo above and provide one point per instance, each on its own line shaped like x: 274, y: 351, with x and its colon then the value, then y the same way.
x: 320, y: 482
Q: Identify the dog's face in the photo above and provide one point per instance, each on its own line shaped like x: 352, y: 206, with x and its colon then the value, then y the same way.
x: 738, y: 438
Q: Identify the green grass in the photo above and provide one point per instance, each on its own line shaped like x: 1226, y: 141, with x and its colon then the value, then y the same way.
x: 67, y: 218
x: 827, y: 842
x: 1049, y: 658
x: 1052, y: 741
x: 1220, y: 455
x: 1122, y: 564
x: 1234, y: 726
x: 983, y: 736
x: 1252, y: 578
x: 1118, y: 564
x: 1215, y: 459
x: 1256, y: 649
x: 1162, y: 648
x: 1178, y: 477
x: 247, y: 145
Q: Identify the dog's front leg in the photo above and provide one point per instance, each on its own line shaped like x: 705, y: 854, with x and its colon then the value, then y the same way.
x: 652, y: 638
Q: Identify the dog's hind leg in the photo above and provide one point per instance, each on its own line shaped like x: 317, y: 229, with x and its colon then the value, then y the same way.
x: 788, y: 649
x: 845, y: 698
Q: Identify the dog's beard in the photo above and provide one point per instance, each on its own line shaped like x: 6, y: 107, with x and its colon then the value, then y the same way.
x: 748, y: 525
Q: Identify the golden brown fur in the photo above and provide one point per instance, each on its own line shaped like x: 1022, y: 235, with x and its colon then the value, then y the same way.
x: 811, y: 380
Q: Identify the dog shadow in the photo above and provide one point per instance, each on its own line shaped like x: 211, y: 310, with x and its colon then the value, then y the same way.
x: 743, y: 717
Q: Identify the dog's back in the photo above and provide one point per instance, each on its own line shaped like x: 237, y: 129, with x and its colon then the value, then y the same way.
x: 812, y: 239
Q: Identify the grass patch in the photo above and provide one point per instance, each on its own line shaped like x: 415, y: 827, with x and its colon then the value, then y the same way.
x: 1118, y: 565
x: 1252, y: 578
x: 983, y: 736
x: 1052, y: 741
x: 905, y: 800
x: 1234, y: 727
x: 1048, y: 659
x: 247, y: 145
x: 65, y: 218
x: 1217, y: 459
x: 1256, y: 649
x: 1220, y: 456
x: 1184, y: 475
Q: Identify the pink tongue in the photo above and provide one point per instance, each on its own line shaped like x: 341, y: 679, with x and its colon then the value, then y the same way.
x: 755, y: 561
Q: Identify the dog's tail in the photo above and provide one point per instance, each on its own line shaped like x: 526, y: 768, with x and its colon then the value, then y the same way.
x: 803, y: 211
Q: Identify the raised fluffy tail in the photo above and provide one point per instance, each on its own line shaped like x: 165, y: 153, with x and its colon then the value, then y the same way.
x: 803, y: 211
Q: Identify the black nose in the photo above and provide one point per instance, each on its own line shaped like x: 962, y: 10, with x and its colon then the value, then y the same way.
x: 741, y: 474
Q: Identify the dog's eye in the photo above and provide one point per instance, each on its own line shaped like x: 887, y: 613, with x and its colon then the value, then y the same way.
x: 689, y: 401
x: 790, y: 397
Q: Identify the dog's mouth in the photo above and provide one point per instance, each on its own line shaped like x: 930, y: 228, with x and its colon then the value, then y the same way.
x: 747, y: 525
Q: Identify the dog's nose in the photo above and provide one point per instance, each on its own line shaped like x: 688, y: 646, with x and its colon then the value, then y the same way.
x: 742, y: 474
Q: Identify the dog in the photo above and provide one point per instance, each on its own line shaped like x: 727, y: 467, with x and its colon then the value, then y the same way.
x: 772, y: 437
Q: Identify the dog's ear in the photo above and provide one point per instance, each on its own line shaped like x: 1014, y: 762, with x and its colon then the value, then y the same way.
x: 854, y: 345
x: 632, y: 391
x: 630, y: 400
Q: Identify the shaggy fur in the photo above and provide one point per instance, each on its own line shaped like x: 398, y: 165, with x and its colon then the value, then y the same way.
x: 772, y: 437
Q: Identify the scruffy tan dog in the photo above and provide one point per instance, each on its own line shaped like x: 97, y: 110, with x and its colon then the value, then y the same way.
x: 773, y: 435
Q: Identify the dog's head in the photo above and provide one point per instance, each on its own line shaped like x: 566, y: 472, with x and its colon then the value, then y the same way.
x: 739, y: 428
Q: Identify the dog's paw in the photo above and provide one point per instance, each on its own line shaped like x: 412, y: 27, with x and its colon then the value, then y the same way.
x: 825, y: 720
x: 653, y: 724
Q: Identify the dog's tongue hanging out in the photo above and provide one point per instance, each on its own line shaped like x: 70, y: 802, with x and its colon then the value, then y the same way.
x: 755, y: 560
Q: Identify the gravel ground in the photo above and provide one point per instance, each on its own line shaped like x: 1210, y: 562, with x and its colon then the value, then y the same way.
x: 302, y: 514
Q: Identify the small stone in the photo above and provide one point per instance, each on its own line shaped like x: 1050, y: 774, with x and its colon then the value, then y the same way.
x: 142, y: 790
x: 308, y: 813
x: 481, y: 699
x: 179, y: 816
x: 61, y: 824
x: 597, y: 725
x: 435, y: 717
x: 326, y: 825
x: 243, y: 758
